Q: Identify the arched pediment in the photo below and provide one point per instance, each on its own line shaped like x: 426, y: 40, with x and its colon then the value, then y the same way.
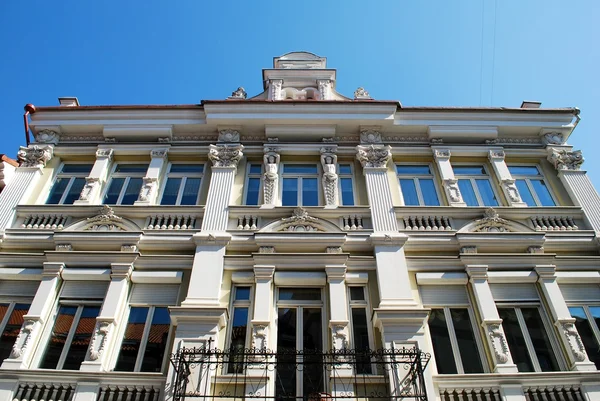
x: 300, y: 221
x: 493, y: 223
x: 105, y: 220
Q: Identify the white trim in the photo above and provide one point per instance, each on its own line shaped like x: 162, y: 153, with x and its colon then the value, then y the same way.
x: 242, y: 278
x: 442, y: 278
x: 85, y: 274
x: 357, y: 278
x: 155, y: 277
x: 249, y: 175
x: 308, y: 279
x: 299, y: 177
x: 569, y: 277
x: 519, y: 277
x: 417, y: 180
x: 20, y: 273
x: 349, y: 175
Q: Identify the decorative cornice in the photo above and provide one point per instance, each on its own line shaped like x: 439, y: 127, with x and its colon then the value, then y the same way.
x: 563, y: 159
x: 369, y: 135
x: 47, y: 136
x: 229, y: 135
x: 553, y: 138
x: 373, y: 156
x: 225, y: 155
x: 35, y: 156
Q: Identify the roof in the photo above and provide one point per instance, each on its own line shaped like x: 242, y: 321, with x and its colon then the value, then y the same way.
x: 8, y: 160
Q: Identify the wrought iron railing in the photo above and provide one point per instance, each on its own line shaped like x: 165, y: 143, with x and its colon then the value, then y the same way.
x: 253, y: 374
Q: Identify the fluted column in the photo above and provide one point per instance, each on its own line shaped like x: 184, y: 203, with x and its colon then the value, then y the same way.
x: 330, y: 177
x: 33, y: 159
x: 149, y: 190
x: 271, y: 176
x: 507, y: 183
x: 442, y: 159
x: 90, y: 194
x: 33, y: 321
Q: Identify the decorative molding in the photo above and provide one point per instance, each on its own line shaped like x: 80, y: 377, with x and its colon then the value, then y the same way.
x: 47, y: 136
x: 100, y: 339
x: 148, y: 188
x: 470, y: 249
x: 159, y: 153
x: 275, y: 89
x: 508, y: 184
x: 35, y: 156
x: 491, y: 222
x: 553, y: 138
x: 339, y: 335
x: 573, y: 339
x: 239, y: 93
x: 225, y: 155
x: 266, y: 249
x: 520, y: 141
x: 330, y: 177
x: 271, y: 160
x: 374, y: 156
x: 436, y: 141
x: 498, y: 341
x: 452, y: 189
x: 324, y: 86
x: 535, y: 249
x: 496, y: 154
x: 64, y: 247
x: 192, y: 138
x: 442, y: 153
x: 166, y: 139
x: 91, y: 184
x: 370, y: 136
x: 110, y: 140
x: 104, y: 221
x: 563, y: 159
x: 23, y: 338
x: 334, y: 249
x: 129, y: 248
x: 361, y: 94
x: 299, y: 221
x: 229, y: 135
x: 104, y: 154
x: 260, y: 336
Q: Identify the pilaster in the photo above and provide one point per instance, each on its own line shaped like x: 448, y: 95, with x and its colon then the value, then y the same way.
x: 330, y: 176
x: 496, y: 157
x: 33, y: 321
x: 149, y: 190
x: 90, y: 194
x: 338, y: 322
x: 263, y: 303
x: 271, y: 177
x: 442, y: 159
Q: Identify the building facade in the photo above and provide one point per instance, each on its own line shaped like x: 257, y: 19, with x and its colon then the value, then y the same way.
x: 299, y: 245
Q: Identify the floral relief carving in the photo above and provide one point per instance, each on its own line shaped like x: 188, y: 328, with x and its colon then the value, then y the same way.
x: 339, y: 336
x: 159, y: 153
x: 47, y: 136
x: 511, y: 190
x: 99, y: 341
x: 441, y: 153
x: 23, y: 339
x: 574, y: 340
x: 34, y: 155
x: 229, y: 135
x: 271, y: 177
x: 452, y: 189
x: 225, y: 155
x: 259, y: 337
x: 491, y: 222
x: 91, y: 184
x: 330, y: 177
x: 104, y: 153
x: 376, y: 156
x: 370, y: 136
x: 148, y: 188
x: 105, y: 221
x: 499, y: 344
x: 324, y: 88
x: 496, y: 154
x: 563, y: 159
x: 553, y: 138
x: 300, y: 221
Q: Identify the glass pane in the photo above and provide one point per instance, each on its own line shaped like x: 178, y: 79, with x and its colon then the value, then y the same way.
x: 58, y: 189
x: 347, y: 192
x: 357, y: 293
x: 285, y: 382
x: 76, y: 168
x: 467, y: 192
x: 428, y: 192
x: 310, y: 192
x: 525, y: 192
x: 345, y: 169
x: 290, y: 192
x: 58, y: 336
x: 255, y: 169
x: 487, y: 193
x: 409, y: 192
x: 442, y: 347
x: 132, y: 192
x: 300, y: 294
x: 523, y: 170
x: 171, y: 191
x: 312, y: 345
x: 3, y: 310
x: 587, y: 335
x: 157, y: 341
x: 468, y: 170
x: 114, y: 190
x: 12, y: 328
x: 132, y: 168
x: 515, y: 339
x: 187, y: 168
x: 300, y: 168
x: 242, y: 293
x: 360, y: 329
x: 132, y: 339
x: 467, y: 345
x: 190, y: 191
x: 540, y: 340
x: 238, y: 339
x: 542, y: 192
x: 82, y: 337
x: 253, y: 191
x: 413, y: 170
x: 74, y: 191
x: 595, y: 311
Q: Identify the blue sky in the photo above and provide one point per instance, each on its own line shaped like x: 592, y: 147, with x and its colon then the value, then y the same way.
x: 423, y: 53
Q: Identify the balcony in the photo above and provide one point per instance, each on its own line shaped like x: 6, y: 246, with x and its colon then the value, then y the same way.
x: 290, y: 375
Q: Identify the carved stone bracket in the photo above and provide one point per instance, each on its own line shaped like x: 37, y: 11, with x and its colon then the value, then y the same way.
x: 330, y: 177
x: 370, y: 136
x: 563, y: 159
x: 104, y: 154
x: 497, y: 340
x: 339, y: 335
x: 229, y: 135
x: 148, y: 188
x: 159, y: 153
x: 260, y: 335
x: 100, y: 338
x: 23, y: 339
x: 511, y: 190
x: 569, y: 331
x: 553, y: 138
x: 90, y: 188
x: 35, y: 156
x: 452, y: 190
x: 373, y: 156
x: 47, y: 136
x: 225, y: 155
x: 271, y: 177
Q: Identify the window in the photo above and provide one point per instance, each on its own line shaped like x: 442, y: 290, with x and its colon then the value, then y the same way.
x: 125, y: 185
x: 183, y: 184
x: 300, y: 185
x: 587, y: 321
x: 145, y: 341
x: 68, y: 184
x: 346, y: 185
x: 475, y: 186
x: 359, y: 312
x: 239, y: 327
x: 417, y: 185
x: 528, y: 340
x: 531, y: 185
x: 11, y: 320
x: 253, y: 184
x: 454, y: 343
x: 71, y: 334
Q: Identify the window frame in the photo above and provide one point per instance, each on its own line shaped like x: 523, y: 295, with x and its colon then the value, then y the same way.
x: 528, y: 179
x: 184, y: 177
x: 346, y: 175
x: 472, y: 178
x: 71, y: 176
x: 127, y: 177
x: 416, y: 179
x: 250, y: 175
x: 361, y: 304
x: 300, y: 176
x: 245, y: 303
x: 591, y: 319
x: 12, y: 302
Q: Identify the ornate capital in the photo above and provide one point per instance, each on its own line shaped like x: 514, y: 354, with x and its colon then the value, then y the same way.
x: 35, y: 156
x: 496, y: 154
x: 104, y: 154
x: 159, y: 153
x: 375, y: 156
x: 452, y: 190
x: 511, y: 190
x: 563, y: 159
x: 225, y: 155
x: 229, y: 135
x: 441, y: 154
x: 47, y: 136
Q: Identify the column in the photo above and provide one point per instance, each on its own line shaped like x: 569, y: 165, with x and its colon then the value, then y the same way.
x: 491, y: 322
x: 271, y: 176
x: 496, y: 157
x: 41, y: 307
x: 90, y: 193
x: 275, y: 89
x: 577, y: 183
x: 330, y: 177
x: 442, y: 159
x: 577, y: 357
x: 150, y: 186
x: 113, y: 306
x: 33, y: 159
